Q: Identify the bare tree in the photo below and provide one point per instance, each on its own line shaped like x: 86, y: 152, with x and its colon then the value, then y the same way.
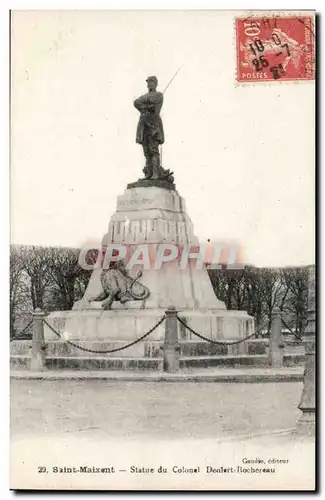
x: 254, y: 285
x: 295, y: 302
x: 272, y: 291
x: 229, y: 286
x: 48, y: 278
x: 68, y: 279
x: 19, y: 297
x: 259, y: 290
x: 36, y: 264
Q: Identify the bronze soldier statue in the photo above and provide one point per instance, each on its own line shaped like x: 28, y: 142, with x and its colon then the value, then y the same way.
x: 150, y: 132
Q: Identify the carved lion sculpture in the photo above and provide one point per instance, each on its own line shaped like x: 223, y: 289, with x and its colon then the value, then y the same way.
x: 117, y: 285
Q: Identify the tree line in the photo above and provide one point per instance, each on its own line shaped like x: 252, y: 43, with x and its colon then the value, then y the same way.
x: 260, y: 290
x: 50, y: 278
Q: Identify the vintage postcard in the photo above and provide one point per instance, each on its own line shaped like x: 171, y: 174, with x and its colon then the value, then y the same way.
x: 162, y: 257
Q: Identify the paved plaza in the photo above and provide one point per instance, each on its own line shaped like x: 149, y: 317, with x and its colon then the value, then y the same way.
x: 149, y: 409
x: 147, y: 425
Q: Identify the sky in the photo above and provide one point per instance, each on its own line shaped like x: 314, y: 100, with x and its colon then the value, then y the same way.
x: 243, y: 155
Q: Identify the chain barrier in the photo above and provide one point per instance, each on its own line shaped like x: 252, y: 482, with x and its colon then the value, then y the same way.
x: 16, y: 337
x: 110, y: 350
x: 219, y: 342
x: 290, y: 330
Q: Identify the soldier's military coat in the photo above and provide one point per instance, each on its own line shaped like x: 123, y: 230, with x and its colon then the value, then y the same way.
x: 150, y: 122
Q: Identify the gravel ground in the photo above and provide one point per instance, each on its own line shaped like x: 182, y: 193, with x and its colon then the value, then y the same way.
x: 151, y: 410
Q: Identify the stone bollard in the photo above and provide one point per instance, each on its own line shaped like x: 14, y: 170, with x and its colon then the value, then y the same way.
x: 37, y: 362
x: 276, y: 340
x: 306, y: 423
x: 171, y: 346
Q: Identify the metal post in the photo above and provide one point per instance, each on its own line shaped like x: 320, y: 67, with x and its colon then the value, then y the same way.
x: 276, y: 340
x: 37, y: 362
x: 306, y: 423
x: 171, y: 345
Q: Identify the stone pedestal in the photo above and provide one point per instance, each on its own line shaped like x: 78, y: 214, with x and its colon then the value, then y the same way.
x: 276, y: 340
x: 152, y: 216
x: 130, y: 324
x: 37, y: 362
x: 307, y: 421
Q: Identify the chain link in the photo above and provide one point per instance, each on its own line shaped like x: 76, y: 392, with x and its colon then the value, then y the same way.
x: 15, y: 337
x: 290, y: 330
x: 111, y: 350
x: 219, y: 342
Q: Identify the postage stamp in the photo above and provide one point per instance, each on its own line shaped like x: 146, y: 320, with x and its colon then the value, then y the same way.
x: 275, y: 48
x: 168, y: 305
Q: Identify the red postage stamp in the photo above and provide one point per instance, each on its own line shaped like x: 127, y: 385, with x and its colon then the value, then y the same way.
x: 275, y: 48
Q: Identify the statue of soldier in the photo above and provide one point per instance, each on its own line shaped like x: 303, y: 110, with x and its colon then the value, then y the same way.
x: 150, y: 132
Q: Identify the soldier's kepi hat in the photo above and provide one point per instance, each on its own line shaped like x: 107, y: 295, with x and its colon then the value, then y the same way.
x: 152, y: 78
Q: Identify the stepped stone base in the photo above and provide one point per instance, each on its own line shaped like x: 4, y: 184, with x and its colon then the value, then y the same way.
x: 128, y: 325
x: 145, y: 349
x: 151, y: 364
x: 147, y: 355
x: 151, y: 348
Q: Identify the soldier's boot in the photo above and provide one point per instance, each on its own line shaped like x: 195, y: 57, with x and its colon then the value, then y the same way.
x: 157, y: 170
x: 148, y: 169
